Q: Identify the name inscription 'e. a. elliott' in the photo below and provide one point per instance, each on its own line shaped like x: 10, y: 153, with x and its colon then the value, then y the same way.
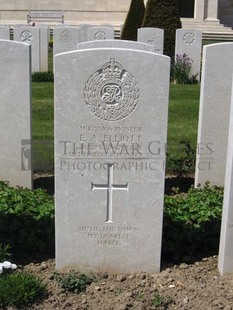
x: 111, y: 93
x: 110, y: 187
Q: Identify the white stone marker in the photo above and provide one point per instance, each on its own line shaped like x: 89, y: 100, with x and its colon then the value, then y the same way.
x: 4, y: 32
x: 116, y: 44
x: 225, y: 259
x: 153, y: 36
x: 110, y: 129
x: 83, y: 32
x: 215, y: 99
x: 44, y: 47
x: 65, y: 39
x: 31, y: 36
x: 100, y: 33
x: 189, y: 42
x: 15, y: 113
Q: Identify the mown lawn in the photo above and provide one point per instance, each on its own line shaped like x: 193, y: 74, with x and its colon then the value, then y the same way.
x: 183, y: 116
x: 182, y: 121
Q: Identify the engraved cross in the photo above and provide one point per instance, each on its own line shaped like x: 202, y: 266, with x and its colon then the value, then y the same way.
x: 110, y: 187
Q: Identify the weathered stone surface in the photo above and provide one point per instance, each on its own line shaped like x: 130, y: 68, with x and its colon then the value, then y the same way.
x: 44, y: 47
x: 100, y: 33
x: 189, y: 42
x: 214, y: 113
x: 153, y: 36
x: 225, y: 259
x: 4, y: 32
x: 65, y: 39
x: 15, y: 113
x: 31, y: 36
x: 116, y: 44
x: 110, y: 133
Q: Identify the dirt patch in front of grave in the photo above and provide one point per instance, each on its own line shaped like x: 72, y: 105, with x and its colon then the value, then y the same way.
x: 197, y: 286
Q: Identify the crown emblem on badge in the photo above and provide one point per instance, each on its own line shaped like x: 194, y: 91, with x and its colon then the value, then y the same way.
x: 112, y: 69
x: 111, y: 93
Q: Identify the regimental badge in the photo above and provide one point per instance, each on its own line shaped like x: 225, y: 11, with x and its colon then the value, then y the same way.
x: 100, y: 35
x: 65, y: 36
x: 189, y: 38
x: 26, y: 36
x: 112, y: 93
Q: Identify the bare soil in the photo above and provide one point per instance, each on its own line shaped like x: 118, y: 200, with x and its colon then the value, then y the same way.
x: 197, y: 286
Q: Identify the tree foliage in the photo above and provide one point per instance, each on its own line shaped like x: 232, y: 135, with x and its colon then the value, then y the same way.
x: 133, y: 20
x: 163, y: 14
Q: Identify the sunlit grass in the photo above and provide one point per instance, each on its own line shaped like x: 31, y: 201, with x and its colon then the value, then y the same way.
x: 182, y: 121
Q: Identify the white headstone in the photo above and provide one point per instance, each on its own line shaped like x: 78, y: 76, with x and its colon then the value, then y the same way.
x: 15, y: 113
x: 214, y: 113
x: 4, y: 32
x: 110, y: 132
x: 153, y: 36
x: 44, y: 47
x: 225, y: 259
x: 100, y: 33
x: 20, y: 25
x: 65, y: 39
x: 116, y: 44
x: 31, y: 36
x: 84, y: 28
x: 189, y: 42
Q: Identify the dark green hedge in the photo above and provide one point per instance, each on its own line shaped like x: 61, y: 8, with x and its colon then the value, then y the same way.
x: 42, y: 76
x: 27, y: 222
x: 192, y: 223
x: 133, y: 20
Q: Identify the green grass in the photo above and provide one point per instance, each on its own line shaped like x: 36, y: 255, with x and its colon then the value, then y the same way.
x: 42, y: 110
x: 206, y: 42
x: 183, y: 116
x: 182, y: 121
x: 50, y: 61
x: 42, y: 126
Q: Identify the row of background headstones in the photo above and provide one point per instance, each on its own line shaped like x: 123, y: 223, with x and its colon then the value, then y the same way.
x: 188, y: 41
x: 214, y: 103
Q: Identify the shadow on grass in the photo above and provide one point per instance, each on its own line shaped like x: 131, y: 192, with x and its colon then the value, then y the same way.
x: 183, y: 183
x: 46, y: 183
x: 185, y: 244
x: 30, y: 240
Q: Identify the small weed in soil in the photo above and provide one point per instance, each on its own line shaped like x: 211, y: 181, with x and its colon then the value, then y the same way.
x: 159, y: 301
x: 73, y: 282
